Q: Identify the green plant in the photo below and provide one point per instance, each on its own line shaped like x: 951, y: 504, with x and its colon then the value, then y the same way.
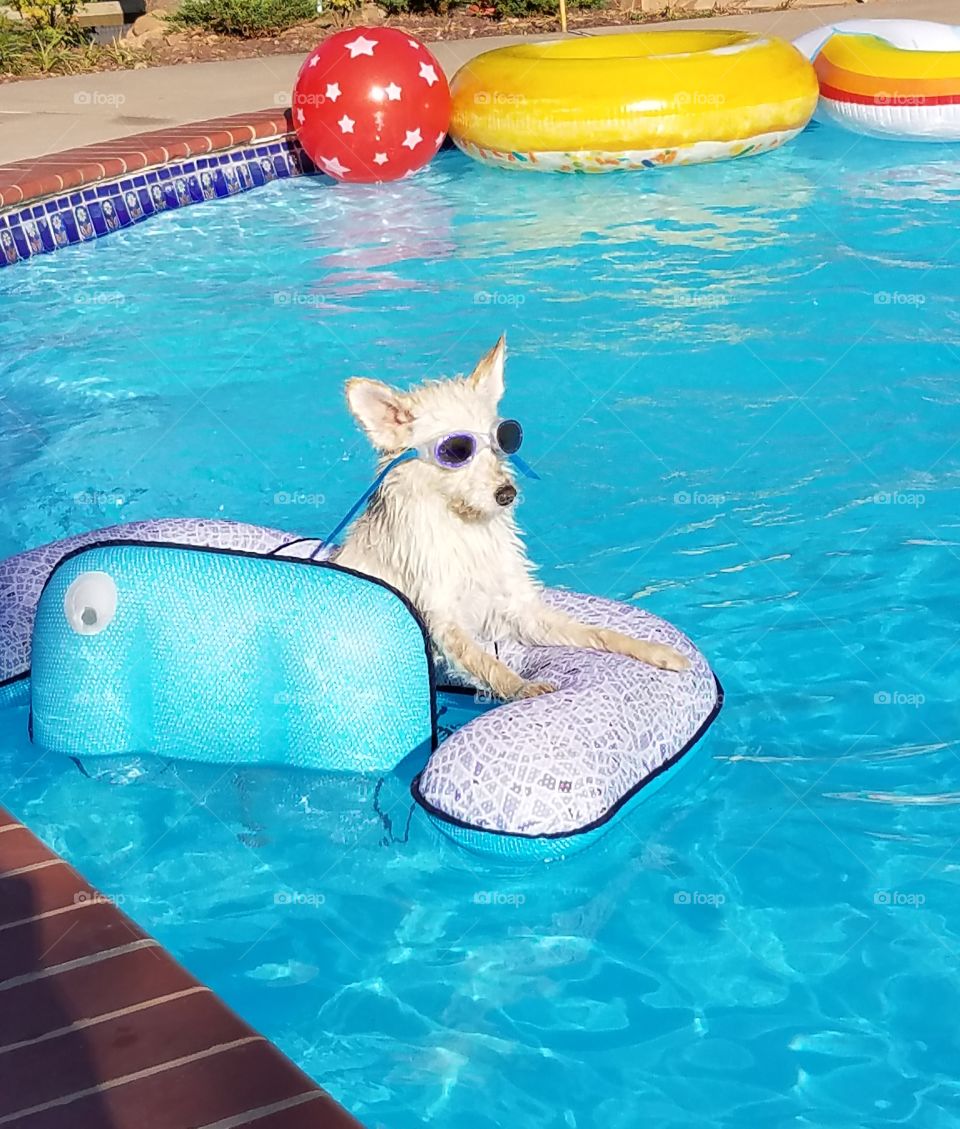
x: 499, y: 9
x: 503, y: 9
x: 25, y: 49
x: 14, y: 45
x: 55, y: 21
x: 420, y: 7
x: 248, y: 18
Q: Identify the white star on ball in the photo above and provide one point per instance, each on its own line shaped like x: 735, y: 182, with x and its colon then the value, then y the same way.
x: 300, y: 115
x: 346, y: 124
x: 392, y: 92
x: 413, y: 139
x: 414, y: 44
x: 333, y: 166
x: 333, y: 91
x: 440, y: 136
x: 427, y: 72
x: 361, y: 46
x: 380, y: 158
x: 314, y: 59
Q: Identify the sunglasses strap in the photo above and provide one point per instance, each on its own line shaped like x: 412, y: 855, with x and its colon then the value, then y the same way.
x: 329, y: 543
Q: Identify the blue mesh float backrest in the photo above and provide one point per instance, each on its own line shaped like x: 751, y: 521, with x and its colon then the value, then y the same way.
x: 227, y: 658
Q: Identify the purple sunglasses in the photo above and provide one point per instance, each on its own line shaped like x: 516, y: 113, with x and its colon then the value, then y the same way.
x: 459, y: 448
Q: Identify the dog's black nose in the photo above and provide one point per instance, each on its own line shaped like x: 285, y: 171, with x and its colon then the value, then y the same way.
x: 505, y: 494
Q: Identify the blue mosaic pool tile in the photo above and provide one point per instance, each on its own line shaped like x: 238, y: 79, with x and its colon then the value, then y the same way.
x: 58, y: 229
x: 123, y: 213
x: 8, y: 249
x: 84, y: 223
x: 19, y: 241
x: 84, y: 215
x: 96, y: 219
x: 68, y: 225
x: 46, y: 235
x: 34, y: 237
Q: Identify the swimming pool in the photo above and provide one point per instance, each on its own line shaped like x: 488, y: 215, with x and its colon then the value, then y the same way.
x: 738, y: 382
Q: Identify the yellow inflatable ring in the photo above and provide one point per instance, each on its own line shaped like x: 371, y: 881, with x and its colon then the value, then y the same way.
x: 641, y: 100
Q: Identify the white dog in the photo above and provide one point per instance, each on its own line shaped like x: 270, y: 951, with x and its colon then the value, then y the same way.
x: 441, y: 528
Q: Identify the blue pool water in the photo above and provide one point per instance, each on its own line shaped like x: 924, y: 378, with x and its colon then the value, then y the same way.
x: 741, y: 384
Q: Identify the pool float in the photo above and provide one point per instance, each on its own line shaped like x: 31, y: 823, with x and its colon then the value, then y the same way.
x: 223, y: 642
x: 641, y: 100
x: 888, y: 78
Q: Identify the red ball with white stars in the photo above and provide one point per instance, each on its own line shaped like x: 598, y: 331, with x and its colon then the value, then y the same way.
x: 371, y: 104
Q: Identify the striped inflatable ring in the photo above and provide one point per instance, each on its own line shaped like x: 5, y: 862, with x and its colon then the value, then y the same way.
x: 889, y: 78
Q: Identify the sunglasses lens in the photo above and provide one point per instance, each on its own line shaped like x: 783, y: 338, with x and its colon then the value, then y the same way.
x: 456, y: 450
x: 509, y: 436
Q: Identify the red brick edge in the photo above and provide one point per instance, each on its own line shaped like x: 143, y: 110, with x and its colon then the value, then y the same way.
x: 100, y: 1027
x: 25, y: 181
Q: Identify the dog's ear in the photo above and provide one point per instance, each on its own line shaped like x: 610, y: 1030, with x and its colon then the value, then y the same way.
x: 487, y: 377
x: 381, y: 411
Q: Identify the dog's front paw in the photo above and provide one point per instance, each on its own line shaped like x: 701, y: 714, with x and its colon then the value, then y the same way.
x: 664, y: 657
x: 535, y: 689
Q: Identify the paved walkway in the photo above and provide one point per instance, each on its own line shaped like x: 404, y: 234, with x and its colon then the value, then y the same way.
x: 49, y: 115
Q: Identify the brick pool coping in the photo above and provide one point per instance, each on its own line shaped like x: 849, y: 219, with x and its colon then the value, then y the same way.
x: 99, y: 1026
x: 37, y: 179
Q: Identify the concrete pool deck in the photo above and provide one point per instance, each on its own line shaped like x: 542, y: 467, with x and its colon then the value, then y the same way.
x: 46, y: 116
